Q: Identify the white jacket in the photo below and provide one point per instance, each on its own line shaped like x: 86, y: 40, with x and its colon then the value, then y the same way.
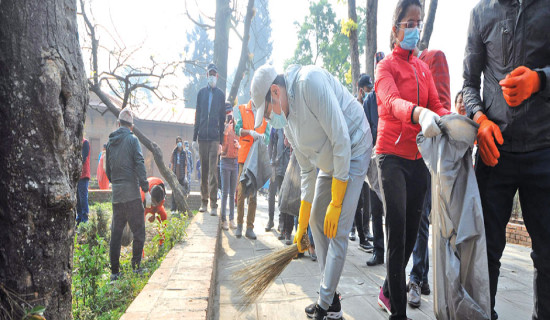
x: 327, y: 127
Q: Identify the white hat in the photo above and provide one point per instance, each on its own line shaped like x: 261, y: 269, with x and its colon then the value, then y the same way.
x: 261, y: 82
x: 126, y: 115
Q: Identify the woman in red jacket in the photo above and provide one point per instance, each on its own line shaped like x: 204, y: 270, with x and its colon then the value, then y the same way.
x: 407, y: 103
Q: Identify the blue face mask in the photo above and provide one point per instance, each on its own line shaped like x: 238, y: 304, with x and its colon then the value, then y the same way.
x: 277, y: 121
x: 412, y: 36
x: 179, y: 144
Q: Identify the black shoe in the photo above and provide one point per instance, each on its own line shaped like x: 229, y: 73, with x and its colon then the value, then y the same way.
x: 352, y: 236
x: 414, y: 295
x: 425, y: 288
x: 376, y: 259
x: 494, y: 315
x: 281, y: 236
x: 115, y: 276
x: 333, y: 312
x: 370, y: 237
x: 270, y: 225
x: 366, y: 246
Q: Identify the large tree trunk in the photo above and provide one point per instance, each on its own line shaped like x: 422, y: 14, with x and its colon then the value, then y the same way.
x: 167, y: 174
x: 221, y: 41
x: 43, y: 99
x: 354, y: 46
x: 428, y: 26
x: 244, y: 53
x: 372, y: 21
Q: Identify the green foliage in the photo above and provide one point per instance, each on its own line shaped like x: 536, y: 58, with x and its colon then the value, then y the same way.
x: 94, y: 295
x: 323, y: 41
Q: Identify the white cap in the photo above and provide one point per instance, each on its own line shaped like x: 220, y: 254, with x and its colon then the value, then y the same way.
x: 126, y: 115
x: 261, y: 82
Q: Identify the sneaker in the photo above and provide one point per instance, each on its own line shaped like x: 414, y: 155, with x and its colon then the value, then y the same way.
x: 319, y: 313
x: 288, y: 239
x: 366, y: 246
x: 115, y: 276
x: 239, y: 231
x: 225, y: 225
x: 281, y: 236
x: 250, y: 234
x: 202, y: 208
x: 376, y: 259
x: 312, y: 254
x: 352, y: 236
x: 414, y: 295
x: 425, y: 288
x: 384, y: 302
x: 369, y: 236
x: 269, y: 225
x: 140, y: 271
x: 334, y: 310
x: 232, y: 224
x: 214, y: 212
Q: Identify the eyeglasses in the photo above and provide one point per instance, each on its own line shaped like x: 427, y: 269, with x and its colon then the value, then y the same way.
x: 412, y: 24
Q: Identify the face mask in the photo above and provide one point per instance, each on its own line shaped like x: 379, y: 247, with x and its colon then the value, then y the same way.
x: 277, y: 121
x: 412, y: 35
x: 179, y: 144
x: 212, y: 81
x: 364, y: 97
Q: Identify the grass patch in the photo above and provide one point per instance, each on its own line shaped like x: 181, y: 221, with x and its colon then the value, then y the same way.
x: 94, y: 297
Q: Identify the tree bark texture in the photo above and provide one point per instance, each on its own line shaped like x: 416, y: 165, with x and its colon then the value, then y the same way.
x: 43, y: 100
x: 354, y: 46
x: 167, y: 174
x: 221, y: 41
x: 371, y: 46
x: 241, y: 68
x: 428, y: 26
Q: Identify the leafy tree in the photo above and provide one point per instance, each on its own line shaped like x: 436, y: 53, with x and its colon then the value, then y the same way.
x: 321, y: 41
x: 200, y: 48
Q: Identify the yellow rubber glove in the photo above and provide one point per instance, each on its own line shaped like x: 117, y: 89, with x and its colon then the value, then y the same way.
x: 303, y: 222
x: 335, y: 207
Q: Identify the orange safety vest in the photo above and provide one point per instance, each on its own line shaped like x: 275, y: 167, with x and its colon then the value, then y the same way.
x: 246, y: 142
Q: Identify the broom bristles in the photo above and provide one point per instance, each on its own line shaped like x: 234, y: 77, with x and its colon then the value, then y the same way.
x: 260, y: 273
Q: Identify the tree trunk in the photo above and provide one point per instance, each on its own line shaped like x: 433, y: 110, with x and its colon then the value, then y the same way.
x: 166, y: 173
x: 244, y: 53
x: 372, y: 21
x: 354, y: 46
x: 428, y: 26
x: 221, y: 41
x: 43, y: 99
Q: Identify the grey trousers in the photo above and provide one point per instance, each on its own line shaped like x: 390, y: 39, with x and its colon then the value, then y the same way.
x: 208, y: 153
x: 332, y: 252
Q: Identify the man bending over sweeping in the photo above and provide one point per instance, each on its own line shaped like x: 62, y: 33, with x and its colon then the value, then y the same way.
x: 327, y: 129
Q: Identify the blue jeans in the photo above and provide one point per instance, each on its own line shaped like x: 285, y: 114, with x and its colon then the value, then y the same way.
x: 82, y: 209
x: 421, y: 260
x: 229, y: 169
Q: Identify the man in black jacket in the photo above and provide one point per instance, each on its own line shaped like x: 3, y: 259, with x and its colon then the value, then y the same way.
x: 508, y: 42
x: 126, y: 170
x: 209, y: 125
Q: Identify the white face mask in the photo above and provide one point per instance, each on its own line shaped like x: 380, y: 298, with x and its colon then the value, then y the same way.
x: 212, y: 81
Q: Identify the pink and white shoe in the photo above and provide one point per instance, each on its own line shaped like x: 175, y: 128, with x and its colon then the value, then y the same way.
x: 384, y: 302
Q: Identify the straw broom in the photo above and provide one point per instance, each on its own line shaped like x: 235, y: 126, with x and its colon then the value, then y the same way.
x: 261, y: 272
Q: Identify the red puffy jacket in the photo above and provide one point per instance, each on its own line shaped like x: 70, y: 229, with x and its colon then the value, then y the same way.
x: 402, y: 82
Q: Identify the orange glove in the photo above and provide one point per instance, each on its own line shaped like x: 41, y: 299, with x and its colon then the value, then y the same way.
x: 486, y: 134
x: 519, y: 85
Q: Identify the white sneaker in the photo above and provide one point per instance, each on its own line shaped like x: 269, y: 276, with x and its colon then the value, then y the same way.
x: 214, y: 212
x: 225, y: 225
x: 232, y: 224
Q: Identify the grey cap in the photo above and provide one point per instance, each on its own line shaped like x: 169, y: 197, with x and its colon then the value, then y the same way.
x: 212, y: 67
x: 261, y: 82
x: 126, y: 115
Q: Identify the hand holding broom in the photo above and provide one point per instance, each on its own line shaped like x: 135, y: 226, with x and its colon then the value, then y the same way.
x: 303, y: 222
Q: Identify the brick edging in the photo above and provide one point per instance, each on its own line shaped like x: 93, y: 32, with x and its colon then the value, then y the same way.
x: 180, y: 288
x: 517, y: 234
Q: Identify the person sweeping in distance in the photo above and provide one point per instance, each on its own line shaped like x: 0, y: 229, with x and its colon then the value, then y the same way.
x: 327, y: 129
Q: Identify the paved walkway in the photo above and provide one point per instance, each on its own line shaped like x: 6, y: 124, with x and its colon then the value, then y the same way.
x: 298, y: 284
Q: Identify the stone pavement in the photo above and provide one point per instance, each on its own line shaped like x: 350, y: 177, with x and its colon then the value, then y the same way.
x: 298, y: 284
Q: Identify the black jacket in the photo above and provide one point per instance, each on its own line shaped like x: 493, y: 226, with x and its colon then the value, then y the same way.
x: 502, y: 36
x: 279, y: 154
x: 125, y: 166
x: 209, y: 126
x: 370, y: 106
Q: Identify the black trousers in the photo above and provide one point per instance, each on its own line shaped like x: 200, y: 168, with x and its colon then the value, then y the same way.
x: 377, y: 213
x: 528, y: 173
x: 274, y: 187
x: 362, y: 215
x: 131, y: 212
x: 403, y: 187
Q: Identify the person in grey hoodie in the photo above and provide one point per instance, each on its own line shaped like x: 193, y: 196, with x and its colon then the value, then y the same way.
x: 126, y: 171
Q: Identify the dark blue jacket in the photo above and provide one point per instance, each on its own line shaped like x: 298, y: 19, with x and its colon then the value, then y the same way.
x: 209, y: 125
x: 371, y: 111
